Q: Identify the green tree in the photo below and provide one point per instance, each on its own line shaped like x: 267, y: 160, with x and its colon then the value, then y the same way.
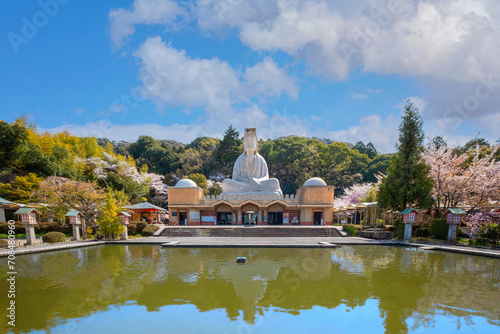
x: 12, y: 136
x: 19, y: 190
x: 438, y: 141
x: 407, y: 182
x: 200, y: 180
x: 138, y: 148
x: 64, y: 194
x: 108, y: 221
x: 229, y: 150
x: 368, y: 149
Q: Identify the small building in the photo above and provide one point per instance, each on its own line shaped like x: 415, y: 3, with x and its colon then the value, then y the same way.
x: 453, y: 218
x: 145, y: 211
x: 75, y: 221
x: 28, y: 218
x: 74, y: 216
x: 454, y: 215
x: 7, y: 205
x: 410, y: 215
x: 311, y: 205
x: 409, y: 218
x: 28, y: 215
x: 125, y: 216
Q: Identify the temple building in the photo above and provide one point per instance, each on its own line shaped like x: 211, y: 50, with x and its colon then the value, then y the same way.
x: 312, y: 205
x: 251, y: 197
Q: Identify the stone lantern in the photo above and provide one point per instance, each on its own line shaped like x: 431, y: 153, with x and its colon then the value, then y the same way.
x: 125, y: 218
x: 75, y: 221
x: 453, y: 217
x: 409, y: 218
x: 28, y: 218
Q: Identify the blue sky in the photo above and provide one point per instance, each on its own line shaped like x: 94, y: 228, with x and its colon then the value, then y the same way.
x: 178, y: 70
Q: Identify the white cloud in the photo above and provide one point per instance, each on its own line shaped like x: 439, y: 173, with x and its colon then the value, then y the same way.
x: 382, y: 133
x: 377, y: 91
x: 358, y: 96
x: 268, y: 79
x: 448, y: 47
x: 122, y: 21
x: 170, y: 76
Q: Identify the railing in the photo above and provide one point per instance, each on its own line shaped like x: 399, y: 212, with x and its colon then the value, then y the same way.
x: 328, y: 229
x: 262, y: 198
x: 172, y: 228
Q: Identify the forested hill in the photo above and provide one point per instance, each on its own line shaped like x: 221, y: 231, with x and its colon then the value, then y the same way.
x: 291, y: 159
x: 24, y: 150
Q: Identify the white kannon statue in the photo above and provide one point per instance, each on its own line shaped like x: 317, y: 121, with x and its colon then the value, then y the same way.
x: 250, y: 173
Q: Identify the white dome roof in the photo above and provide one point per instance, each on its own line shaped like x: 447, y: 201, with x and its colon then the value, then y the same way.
x: 314, y: 182
x: 186, y: 183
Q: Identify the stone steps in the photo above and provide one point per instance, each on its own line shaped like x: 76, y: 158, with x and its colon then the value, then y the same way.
x: 252, y: 231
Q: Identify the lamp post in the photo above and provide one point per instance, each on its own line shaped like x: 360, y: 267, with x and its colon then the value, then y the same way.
x: 453, y: 217
x: 125, y: 217
x: 28, y: 219
x: 409, y: 218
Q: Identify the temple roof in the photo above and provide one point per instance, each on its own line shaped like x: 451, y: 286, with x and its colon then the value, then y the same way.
x: 144, y: 206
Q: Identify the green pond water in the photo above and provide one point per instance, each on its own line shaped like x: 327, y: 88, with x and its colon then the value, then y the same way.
x: 352, y: 289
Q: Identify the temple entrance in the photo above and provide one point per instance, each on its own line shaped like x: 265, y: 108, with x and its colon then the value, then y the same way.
x: 318, y: 217
x: 224, y: 218
x: 275, y: 218
x: 250, y: 218
x: 183, y: 218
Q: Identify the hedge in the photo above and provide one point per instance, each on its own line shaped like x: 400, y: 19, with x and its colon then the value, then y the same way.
x: 131, y: 228
x: 3, y: 243
x: 140, y: 226
x: 149, y: 230
x: 439, y: 228
x: 53, y: 237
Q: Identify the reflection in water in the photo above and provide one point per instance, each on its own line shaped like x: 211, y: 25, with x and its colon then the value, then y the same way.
x: 204, y: 290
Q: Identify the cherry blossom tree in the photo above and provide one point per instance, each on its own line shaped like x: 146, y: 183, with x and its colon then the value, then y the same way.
x: 460, y: 182
x: 67, y: 194
x: 479, y: 219
x: 157, y: 189
x: 353, y: 194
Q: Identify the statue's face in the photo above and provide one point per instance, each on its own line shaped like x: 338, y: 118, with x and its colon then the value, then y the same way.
x: 250, y: 140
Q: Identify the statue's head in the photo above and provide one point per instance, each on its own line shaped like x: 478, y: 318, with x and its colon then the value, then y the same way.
x: 250, y: 142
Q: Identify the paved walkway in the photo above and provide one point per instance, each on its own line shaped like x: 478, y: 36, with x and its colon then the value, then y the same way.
x: 262, y: 242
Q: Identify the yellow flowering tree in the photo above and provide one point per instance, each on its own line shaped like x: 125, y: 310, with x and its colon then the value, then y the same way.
x: 108, y: 221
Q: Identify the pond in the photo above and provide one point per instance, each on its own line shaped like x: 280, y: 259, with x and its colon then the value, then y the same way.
x: 352, y: 289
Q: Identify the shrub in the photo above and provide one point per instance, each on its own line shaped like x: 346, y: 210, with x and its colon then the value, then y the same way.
x: 488, y: 234
x: 53, y: 237
x: 439, y: 228
x: 19, y: 229
x: 3, y: 243
x: 149, y: 230
x: 399, y: 229
x: 67, y: 229
x: 140, y: 226
x: 53, y: 227
x: 351, y: 230
x: 423, y: 232
x: 4, y: 228
x: 131, y: 228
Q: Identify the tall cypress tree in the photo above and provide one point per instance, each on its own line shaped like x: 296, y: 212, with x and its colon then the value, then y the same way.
x: 407, y: 182
x: 229, y: 150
